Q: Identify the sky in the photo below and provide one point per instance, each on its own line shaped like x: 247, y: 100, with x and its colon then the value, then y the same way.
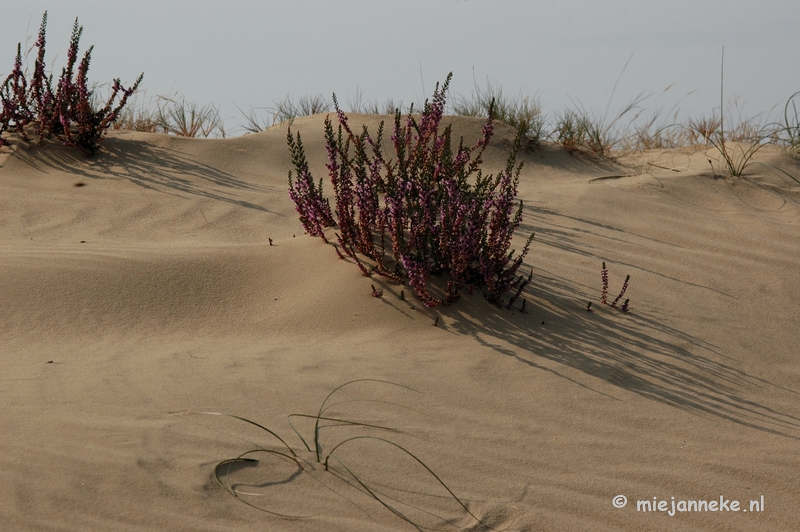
x: 243, y: 53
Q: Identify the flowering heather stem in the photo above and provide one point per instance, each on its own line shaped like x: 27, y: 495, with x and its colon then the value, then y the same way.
x: 604, y: 279
x: 68, y: 113
x: 517, y: 294
x: 622, y: 293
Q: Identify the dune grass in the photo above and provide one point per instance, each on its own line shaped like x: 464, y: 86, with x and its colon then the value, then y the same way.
x: 791, y: 130
x: 521, y: 113
x: 325, y: 454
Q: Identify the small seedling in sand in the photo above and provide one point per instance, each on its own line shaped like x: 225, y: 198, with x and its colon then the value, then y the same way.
x: 67, y: 112
x: 334, y: 465
x: 376, y: 292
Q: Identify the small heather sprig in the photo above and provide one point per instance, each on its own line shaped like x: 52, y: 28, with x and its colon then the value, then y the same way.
x: 520, y: 288
x: 604, y: 279
x: 622, y: 293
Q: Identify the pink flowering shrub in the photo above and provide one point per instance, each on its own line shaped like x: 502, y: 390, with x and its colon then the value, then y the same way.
x: 429, y: 211
x: 66, y: 112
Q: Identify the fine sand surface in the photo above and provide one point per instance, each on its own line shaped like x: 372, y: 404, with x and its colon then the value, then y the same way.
x: 151, y: 291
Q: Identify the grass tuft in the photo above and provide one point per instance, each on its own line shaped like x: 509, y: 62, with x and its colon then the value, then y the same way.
x: 390, y: 497
x: 522, y: 113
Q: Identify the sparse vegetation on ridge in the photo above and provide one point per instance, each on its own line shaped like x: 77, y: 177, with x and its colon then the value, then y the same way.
x: 72, y: 110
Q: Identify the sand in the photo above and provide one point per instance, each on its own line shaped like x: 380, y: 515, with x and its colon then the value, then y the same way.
x: 138, y: 287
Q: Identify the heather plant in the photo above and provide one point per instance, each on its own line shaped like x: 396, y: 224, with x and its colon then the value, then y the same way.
x: 622, y: 292
x: 429, y: 211
x: 321, y: 452
x: 604, y: 291
x: 66, y: 112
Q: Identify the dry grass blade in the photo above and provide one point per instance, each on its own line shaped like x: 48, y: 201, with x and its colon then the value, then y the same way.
x: 225, y: 469
x: 792, y: 122
x: 373, y: 493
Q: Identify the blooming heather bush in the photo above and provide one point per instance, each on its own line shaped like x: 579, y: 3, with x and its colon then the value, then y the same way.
x: 431, y: 205
x: 65, y: 113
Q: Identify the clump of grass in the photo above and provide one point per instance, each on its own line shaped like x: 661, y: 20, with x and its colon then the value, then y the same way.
x: 138, y: 116
x: 284, y: 111
x: 747, y: 139
x: 600, y: 135
x: 521, y: 113
x: 430, y: 205
x: 703, y: 128
x: 655, y: 132
x: 188, y: 119
x: 66, y: 112
x: 571, y: 130
x: 326, y: 455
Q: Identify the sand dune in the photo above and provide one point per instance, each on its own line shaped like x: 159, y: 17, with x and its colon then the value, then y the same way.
x: 139, y: 285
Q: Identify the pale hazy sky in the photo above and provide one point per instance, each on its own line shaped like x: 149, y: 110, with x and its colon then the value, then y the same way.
x: 249, y: 52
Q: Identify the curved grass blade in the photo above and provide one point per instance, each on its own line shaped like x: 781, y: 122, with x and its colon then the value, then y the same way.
x: 241, y: 458
x: 377, y: 498
x: 317, y: 449
x: 262, y: 427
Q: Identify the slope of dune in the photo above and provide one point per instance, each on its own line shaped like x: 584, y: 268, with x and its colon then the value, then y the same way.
x: 140, y: 286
